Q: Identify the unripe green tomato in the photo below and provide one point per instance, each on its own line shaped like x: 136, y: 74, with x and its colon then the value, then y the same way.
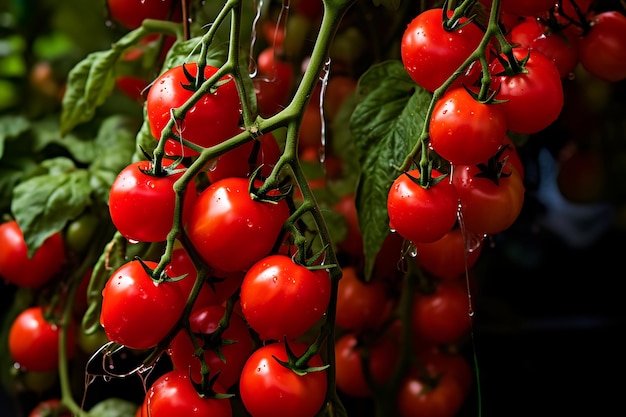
x: 89, y: 343
x: 80, y: 231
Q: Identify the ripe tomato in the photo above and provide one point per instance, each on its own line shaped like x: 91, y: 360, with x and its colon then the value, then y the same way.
x: 353, y: 241
x: 173, y: 394
x: 421, y: 214
x: 426, y: 44
x: 464, y: 130
x: 434, y: 395
x: 436, y: 362
x: 50, y: 407
x: 15, y: 265
x: 527, y: 7
x: 231, y: 230
x: 282, y: 299
x: 338, y: 89
x: 270, y: 389
x: 210, y: 121
x: 441, y: 317
x: 561, y: 46
x: 488, y: 206
x: 131, y: 13
x: 603, y: 48
x: 362, y: 305
x: 142, y: 205
x: 34, y: 341
x: 244, y: 159
x: 136, y: 311
x: 350, y: 357
x: 273, y: 81
x: 451, y: 256
x: 227, y: 357
x: 534, y: 98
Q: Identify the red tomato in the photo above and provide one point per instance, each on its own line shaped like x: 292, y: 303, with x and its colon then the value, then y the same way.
x: 273, y: 81
x: 558, y: 45
x: 132, y: 87
x: 244, y: 159
x: 350, y: 357
x: 131, y: 13
x: 310, y: 135
x: 34, y: 341
x: 441, y: 317
x: 421, y: 214
x: 603, y: 48
x: 215, y: 291
x: 353, y: 241
x: 210, y: 121
x: 451, y: 256
x: 231, y: 230
x: 282, y: 299
x: 136, y: 311
x: 18, y: 268
x: 338, y: 89
x: 488, y: 206
x: 437, y: 363
x: 173, y: 394
x: 269, y: 389
x: 49, y: 408
x: 434, y: 395
x: 227, y: 356
x: 142, y: 204
x: 534, y: 98
x: 426, y: 44
x: 464, y: 130
x: 362, y: 305
x: 566, y: 8
x: 527, y: 7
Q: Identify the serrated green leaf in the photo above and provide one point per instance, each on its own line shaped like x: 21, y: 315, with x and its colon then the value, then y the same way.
x: 43, y: 204
x: 386, y: 122
x: 89, y: 84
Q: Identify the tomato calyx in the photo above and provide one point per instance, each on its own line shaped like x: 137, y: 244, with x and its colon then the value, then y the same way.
x: 425, y: 180
x: 259, y: 193
x: 493, y: 169
x: 511, y: 65
x: 299, y: 365
x: 161, y: 276
x: 459, y: 17
x: 205, y: 388
x: 195, y: 82
x: 580, y: 20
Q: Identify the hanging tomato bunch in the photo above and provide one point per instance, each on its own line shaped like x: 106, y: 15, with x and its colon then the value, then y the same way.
x: 267, y: 209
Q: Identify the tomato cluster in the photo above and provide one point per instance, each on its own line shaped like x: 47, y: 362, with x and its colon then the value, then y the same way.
x: 243, y: 247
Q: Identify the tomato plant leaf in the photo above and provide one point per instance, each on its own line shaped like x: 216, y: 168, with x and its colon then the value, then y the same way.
x: 43, y: 204
x: 11, y: 127
x: 183, y: 52
x: 385, y: 124
x: 90, y: 82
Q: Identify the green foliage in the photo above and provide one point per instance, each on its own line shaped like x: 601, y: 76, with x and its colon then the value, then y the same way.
x: 386, y: 123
